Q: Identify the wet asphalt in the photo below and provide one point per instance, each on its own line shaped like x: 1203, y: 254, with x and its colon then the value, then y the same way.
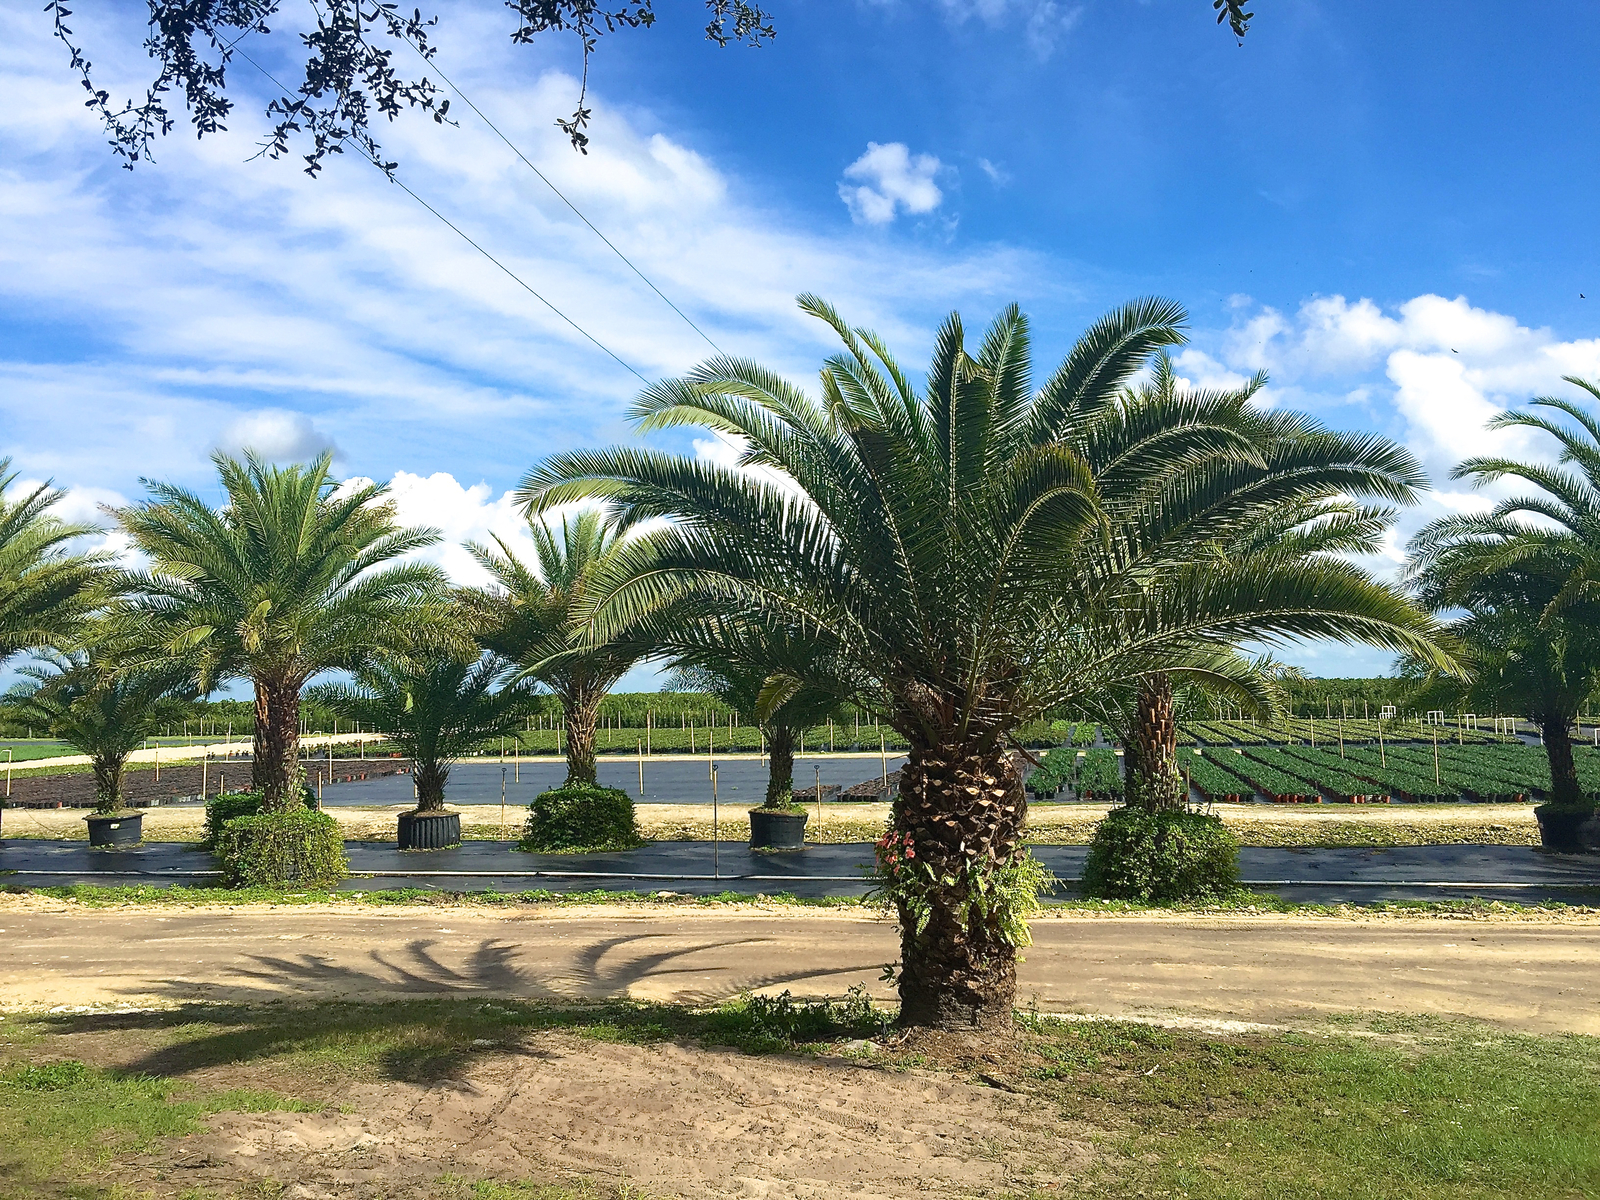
x: 1315, y: 875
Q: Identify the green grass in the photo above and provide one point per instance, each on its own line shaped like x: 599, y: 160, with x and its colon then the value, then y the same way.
x: 1242, y: 901
x: 1370, y: 1108
x: 1440, y: 1111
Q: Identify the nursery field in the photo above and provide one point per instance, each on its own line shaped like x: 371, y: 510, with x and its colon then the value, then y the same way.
x: 1356, y: 773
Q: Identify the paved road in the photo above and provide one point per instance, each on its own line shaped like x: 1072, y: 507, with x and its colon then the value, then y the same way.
x: 1540, y: 977
x: 698, y: 868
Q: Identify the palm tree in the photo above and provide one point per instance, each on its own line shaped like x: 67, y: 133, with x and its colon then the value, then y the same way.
x: 102, y: 708
x: 1294, y: 500
x: 740, y: 685
x: 530, y: 615
x: 294, y: 576
x: 45, y: 591
x: 1528, y: 574
x: 436, y: 706
x: 965, y: 567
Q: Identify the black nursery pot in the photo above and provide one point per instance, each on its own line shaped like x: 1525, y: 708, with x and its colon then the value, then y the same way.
x: 1563, y: 828
x: 429, y: 830
x: 777, y: 830
x: 116, y: 829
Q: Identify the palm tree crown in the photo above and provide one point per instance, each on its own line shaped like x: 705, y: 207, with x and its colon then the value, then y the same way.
x: 533, y: 615
x: 1528, y: 573
x: 436, y: 706
x: 45, y: 590
x: 293, y: 576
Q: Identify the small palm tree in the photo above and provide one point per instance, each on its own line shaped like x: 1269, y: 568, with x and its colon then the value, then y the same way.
x: 436, y: 706
x: 966, y: 557
x: 45, y: 590
x: 295, y: 575
x: 741, y: 686
x: 531, y: 614
x: 1527, y: 572
x: 102, y: 708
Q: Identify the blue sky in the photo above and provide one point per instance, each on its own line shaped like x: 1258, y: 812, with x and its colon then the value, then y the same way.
x: 1388, y: 207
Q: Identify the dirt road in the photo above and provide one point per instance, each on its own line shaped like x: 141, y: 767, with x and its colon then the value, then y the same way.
x: 1534, y: 976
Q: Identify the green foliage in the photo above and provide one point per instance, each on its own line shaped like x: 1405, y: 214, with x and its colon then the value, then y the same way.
x: 997, y: 896
x: 760, y: 1024
x: 271, y: 848
x: 1099, y: 777
x: 225, y: 806
x: 581, y: 817
x: 1161, y: 857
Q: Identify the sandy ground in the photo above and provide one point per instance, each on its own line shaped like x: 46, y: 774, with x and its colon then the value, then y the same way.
x: 671, y: 1120
x: 1059, y: 824
x: 1530, y: 975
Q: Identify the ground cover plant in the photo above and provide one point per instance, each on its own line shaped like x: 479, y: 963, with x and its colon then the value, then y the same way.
x: 1365, y: 1108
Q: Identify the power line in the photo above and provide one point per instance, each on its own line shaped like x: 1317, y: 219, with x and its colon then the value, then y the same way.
x: 464, y: 237
x: 467, y: 100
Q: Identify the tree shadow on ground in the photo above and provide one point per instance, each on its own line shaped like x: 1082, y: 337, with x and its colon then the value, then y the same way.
x: 412, y: 1016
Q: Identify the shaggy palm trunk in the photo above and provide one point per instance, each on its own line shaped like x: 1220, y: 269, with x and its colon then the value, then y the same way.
x: 430, y: 779
x: 963, y: 807
x: 1564, y: 788
x: 1154, y: 782
x: 582, y: 709
x: 276, y: 771
x: 780, y: 773
x: 107, y: 784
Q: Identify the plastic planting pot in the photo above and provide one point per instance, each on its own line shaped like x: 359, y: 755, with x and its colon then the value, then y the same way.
x: 117, y: 829
x: 429, y: 830
x: 1569, y: 829
x: 777, y: 830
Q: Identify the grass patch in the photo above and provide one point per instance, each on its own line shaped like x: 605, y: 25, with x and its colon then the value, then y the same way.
x: 1450, y: 1111
x: 61, y: 1119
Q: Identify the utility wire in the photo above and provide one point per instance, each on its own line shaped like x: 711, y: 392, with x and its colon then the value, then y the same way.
x: 467, y: 100
x: 464, y: 237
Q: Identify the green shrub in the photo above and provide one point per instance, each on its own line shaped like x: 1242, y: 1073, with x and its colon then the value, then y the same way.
x: 1161, y: 858
x: 581, y: 817
x: 224, y: 806
x: 267, y: 849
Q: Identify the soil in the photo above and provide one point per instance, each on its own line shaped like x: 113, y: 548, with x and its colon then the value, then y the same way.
x: 1527, y: 974
x: 141, y: 787
x: 666, y: 1120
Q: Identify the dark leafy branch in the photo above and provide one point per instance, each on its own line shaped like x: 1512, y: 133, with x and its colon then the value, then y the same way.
x: 349, y: 77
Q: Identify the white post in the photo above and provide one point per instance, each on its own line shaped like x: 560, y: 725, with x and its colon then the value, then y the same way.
x: 8, y: 773
x: 883, y: 754
x: 502, y: 801
x: 641, y: 769
x: 711, y: 750
x: 716, y: 849
x: 817, y: 767
x: 205, y: 768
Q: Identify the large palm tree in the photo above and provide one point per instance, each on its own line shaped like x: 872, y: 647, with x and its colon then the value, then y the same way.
x: 1298, y: 498
x: 45, y: 589
x: 293, y: 576
x: 969, y: 554
x: 530, y: 614
x: 1528, y: 574
x: 435, y: 705
x: 102, y: 707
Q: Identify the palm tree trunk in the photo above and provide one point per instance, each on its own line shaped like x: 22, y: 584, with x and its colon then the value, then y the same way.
x: 1564, y: 788
x: 276, y: 771
x: 582, y: 709
x: 107, y: 784
x: 780, y: 772
x: 430, y: 779
x: 963, y: 808
x: 1154, y: 782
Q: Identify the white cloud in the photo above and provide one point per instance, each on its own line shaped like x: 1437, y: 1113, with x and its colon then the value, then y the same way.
x: 276, y: 435
x: 997, y: 175
x: 1044, y: 22
x: 887, y: 179
x: 210, y: 289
